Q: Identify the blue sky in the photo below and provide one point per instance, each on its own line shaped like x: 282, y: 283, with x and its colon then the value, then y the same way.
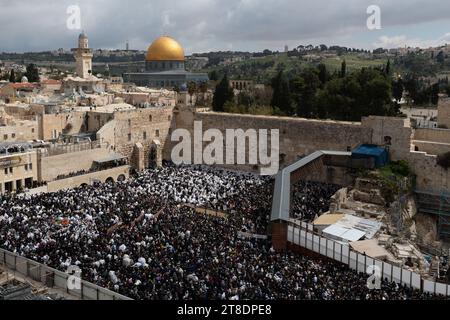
x: 207, y: 25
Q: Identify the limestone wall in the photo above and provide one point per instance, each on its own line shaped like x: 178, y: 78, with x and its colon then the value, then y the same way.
x: 107, y: 133
x: 431, y: 148
x: 435, y: 135
x: 298, y: 137
x: 430, y: 176
x: 396, y: 133
x: 21, y: 132
x: 142, y: 126
x: 88, y: 179
x: 53, y: 166
x: 444, y: 112
x: 96, y: 120
x: 56, y: 124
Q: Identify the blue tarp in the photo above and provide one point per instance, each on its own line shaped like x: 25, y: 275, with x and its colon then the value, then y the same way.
x: 380, y: 155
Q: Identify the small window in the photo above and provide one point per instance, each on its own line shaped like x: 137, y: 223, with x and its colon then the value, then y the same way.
x: 129, y: 123
x: 150, y: 118
x: 145, y: 135
x: 129, y: 137
x: 5, y: 137
x: 169, y: 118
x: 30, y: 166
x: 11, y: 170
x: 157, y: 133
x: 13, y: 135
x: 388, y: 140
x: 32, y: 130
x: 26, y: 167
x: 6, y: 170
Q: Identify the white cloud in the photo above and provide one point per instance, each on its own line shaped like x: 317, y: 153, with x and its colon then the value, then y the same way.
x: 248, y: 24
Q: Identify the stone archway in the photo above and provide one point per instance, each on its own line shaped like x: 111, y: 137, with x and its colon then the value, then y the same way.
x: 121, y: 178
x: 110, y: 180
x: 155, y: 155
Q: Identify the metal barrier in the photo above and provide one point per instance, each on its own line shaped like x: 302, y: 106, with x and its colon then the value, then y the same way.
x: 302, y: 234
x: 53, y: 278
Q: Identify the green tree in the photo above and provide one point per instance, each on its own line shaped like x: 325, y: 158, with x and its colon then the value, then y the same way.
x: 324, y: 76
x: 12, y: 76
x: 303, y: 91
x: 32, y: 73
x: 222, y: 95
x: 281, y: 98
x: 343, y: 69
x: 397, y: 89
x: 213, y: 76
x: 388, y: 67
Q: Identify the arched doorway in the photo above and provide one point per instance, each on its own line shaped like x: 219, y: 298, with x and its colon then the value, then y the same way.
x: 121, y: 178
x: 110, y: 180
x: 155, y: 155
x: 152, y: 157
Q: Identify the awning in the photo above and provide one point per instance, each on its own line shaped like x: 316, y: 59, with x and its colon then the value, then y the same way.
x: 111, y: 158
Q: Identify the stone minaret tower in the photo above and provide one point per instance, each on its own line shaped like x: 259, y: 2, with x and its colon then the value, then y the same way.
x: 83, y: 57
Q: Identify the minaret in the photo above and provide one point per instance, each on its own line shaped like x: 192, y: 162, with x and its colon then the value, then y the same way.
x: 83, y: 57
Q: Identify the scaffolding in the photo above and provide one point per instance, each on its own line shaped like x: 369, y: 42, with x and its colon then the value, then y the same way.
x: 438, y: 205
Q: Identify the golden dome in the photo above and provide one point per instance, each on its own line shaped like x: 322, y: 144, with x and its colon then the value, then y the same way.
x: 165, y: 49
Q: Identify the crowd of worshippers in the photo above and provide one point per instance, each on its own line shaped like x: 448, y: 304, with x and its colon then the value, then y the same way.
x: 138, y: 239
x: 311, y: 200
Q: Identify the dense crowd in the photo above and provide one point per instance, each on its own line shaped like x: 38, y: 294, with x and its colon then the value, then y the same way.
x: 138, y: 238
x: 311, y: 200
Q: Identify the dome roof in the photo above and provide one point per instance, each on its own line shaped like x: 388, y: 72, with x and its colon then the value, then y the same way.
x: 82, y: 35
x: 165, y: 49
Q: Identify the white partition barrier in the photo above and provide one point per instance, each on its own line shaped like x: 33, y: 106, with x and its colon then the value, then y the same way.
x: 369, y: 262
x: 304, y: 236
x: 345, y: 255
x: 441, y: 289
x: 353, y: 260
x: 388, y: 271
x: 331, y: 249
x: 397, y: 274
x: 42, y: 273
x: 429, y: 286
x: 309, y: 241
x: 361, y: 263
x: 416, y: 281
x: 406, y: 277
x: 323, y: 246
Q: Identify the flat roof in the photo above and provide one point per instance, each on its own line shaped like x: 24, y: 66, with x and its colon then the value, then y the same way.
x: 328, y: 219
x: 343, y: 233
x: 371, y: 248
x: 369, y: 227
